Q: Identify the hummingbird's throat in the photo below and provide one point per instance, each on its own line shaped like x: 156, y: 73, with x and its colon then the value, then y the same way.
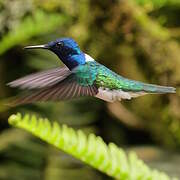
x: 72, y: 61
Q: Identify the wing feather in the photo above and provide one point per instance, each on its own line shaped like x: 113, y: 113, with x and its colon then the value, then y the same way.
x: 67, y: 89
x: 42, y: 79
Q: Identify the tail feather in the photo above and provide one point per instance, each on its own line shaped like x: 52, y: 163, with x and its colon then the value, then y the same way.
x: 151, y: 88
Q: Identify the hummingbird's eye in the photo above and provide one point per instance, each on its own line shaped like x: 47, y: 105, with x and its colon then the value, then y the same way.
x: 59, y: 44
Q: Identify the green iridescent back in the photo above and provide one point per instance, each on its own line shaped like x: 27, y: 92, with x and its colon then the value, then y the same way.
x: 109, y: 79
x: 86, y: 74
x: 95, y: 73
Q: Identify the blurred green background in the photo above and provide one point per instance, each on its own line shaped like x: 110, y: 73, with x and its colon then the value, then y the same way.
x: 138, y: 39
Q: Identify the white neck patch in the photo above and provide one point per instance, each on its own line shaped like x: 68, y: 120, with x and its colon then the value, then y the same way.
x: 88, y: 58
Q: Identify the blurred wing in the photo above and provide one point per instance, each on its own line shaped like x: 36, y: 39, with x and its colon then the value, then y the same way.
x: 42, y: 79
x: 67, y: 89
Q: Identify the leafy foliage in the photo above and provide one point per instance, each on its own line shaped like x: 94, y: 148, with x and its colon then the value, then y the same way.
x: 30, y: 27
x: 91, y: 149
x: 157, y: 3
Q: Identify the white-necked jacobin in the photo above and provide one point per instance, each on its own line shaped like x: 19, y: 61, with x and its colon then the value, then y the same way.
x: 82, y: 76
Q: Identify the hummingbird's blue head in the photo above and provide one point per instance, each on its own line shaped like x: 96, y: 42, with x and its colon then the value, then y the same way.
x: 66, y: 49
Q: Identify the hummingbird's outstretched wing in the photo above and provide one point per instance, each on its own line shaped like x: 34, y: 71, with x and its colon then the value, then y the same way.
x: 41, y: 79
x: 52, y: 85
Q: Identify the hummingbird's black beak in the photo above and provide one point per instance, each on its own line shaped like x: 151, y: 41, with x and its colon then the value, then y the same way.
x: 44, y: 46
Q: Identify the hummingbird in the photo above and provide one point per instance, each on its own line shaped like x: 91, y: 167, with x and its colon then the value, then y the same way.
x: 81, y: 76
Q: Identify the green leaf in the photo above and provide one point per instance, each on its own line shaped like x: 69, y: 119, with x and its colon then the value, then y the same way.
x: 90, y: 149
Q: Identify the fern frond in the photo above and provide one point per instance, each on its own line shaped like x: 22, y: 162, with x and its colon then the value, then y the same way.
x: 90, y: 149
x: 40, y: 23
